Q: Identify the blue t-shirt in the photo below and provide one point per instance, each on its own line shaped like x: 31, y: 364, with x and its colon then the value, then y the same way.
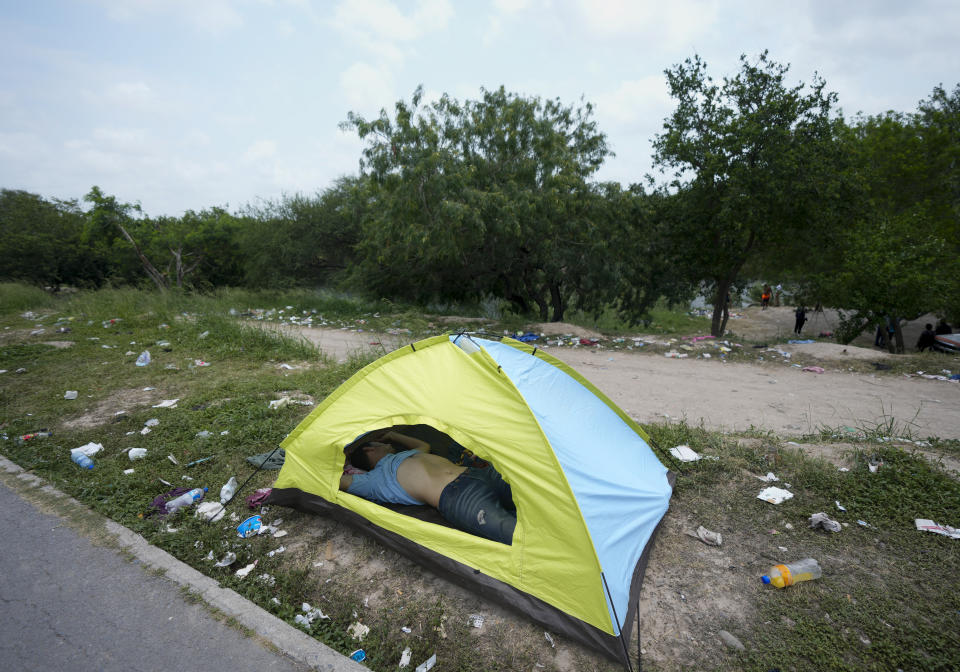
x: 380, y: 485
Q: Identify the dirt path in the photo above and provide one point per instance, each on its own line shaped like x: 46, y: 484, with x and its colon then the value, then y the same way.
x: 736, y: 396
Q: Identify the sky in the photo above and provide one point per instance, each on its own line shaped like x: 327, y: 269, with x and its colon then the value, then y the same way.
x: 189, y: 104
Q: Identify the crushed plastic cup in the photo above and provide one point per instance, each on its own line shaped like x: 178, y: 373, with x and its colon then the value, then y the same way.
x: 250, y: 527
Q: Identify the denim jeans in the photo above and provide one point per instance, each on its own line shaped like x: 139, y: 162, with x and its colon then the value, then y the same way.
x: 479, y: 501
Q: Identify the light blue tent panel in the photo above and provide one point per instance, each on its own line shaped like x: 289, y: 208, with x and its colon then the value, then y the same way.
x: 620, y: 485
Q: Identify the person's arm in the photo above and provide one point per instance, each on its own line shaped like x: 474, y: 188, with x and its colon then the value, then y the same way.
x: 408, y: 442
x: 345, y: 481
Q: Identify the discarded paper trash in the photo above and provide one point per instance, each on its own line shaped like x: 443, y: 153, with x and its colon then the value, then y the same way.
x: 824, y: 521
x: 89, y: 449
x: 70, y: 394
x: 427, y: 665
x: 405, y: 657
x: 358, y: 631
x: 925, y: 525
x: 227, y: 560
x: 708, y: 537
x: 210, y: 511
x: 136, y: 453
x: 774, y: 495
x: 684, y: 453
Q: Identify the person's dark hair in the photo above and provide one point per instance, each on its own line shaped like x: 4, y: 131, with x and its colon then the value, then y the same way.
x: 359, y: 458
x: 928, y: 326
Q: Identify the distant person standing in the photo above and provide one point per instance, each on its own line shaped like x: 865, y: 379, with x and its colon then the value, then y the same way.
x: 927, y: 338
x: 765, y: 297
x: 776, y: 295
x: 801, y: 315
x: 943, y: 327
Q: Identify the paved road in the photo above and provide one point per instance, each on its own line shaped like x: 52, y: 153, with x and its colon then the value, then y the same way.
x: 68, y: 604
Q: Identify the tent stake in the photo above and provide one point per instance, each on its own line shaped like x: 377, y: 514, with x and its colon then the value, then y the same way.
x: 223, y: 505
x: 623, y: 643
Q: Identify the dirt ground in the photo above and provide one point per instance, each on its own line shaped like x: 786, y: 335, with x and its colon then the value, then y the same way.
x: 772, y: 394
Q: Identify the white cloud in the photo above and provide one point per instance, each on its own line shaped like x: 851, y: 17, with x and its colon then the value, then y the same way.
x: 367, y: 88
x: 633, y: 102
x: 259, y: 151
x: 130, y: 94
x: 676, y: 22
x: 382, y: 20
x: 208, y: 16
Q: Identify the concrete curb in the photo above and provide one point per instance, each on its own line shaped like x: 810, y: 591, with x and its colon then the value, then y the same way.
x: 292, y: 642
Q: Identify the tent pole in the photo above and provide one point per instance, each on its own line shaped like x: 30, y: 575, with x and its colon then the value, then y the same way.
x: 623, y: 643
x: 223, y: 505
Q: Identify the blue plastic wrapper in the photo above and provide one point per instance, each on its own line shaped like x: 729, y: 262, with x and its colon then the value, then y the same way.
x: 359, y: 655
x: 249, y: 527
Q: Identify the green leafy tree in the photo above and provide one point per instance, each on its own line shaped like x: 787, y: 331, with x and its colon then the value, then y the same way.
x: 755, y: 171
x: 486, y: 196
x: 899, y: 255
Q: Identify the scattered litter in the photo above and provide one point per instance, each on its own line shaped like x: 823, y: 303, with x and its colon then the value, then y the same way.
x: 128, y: 471
x: 144, y: 358
x: 427, y: 665
x: 708, y: 537
x: 267, y: 579
x: 813, y: 369
x: 249, y: 527
x: 201, y: 460
x: 782, y: 548
x: 309, y: 615
x: 358, y: 631
x: 145, y: 431
x: 843, y: 469
x: 476, y: 620
x: 152, y: 422
x: 406, y: 629
x: 774, y: 495
x: 200, y: 362
x: 242, y: 573
x: 210, y: 511
x: 864, y: 523
x: 279, y: 403
x: 824, y: 521
x: 89, y: 449
x: 279, y: 533
x: 172, y: 459
x: 549, y: 639
x: 276, y: 551
x: 684, y: 453
x: 840, y: 507
x: 769, y: 478
x: 925, y: 525
x: 167, y: 403
x: 227, y: 560
x: 226, y: 492
x: 204, y: 434
x: 405, y: 657
x: 289, y: 367
x: 256, y: 499
x: 875, y: 465
x: 136, y: 453
x: 204, y: 335
x: 70, y: 394
x: 359, y: 655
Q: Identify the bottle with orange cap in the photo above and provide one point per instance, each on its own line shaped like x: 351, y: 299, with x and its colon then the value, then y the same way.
x: 781, y: 576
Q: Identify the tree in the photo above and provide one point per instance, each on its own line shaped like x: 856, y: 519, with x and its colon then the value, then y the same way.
x: 755, y: 170
x: 899, y: 255
x: 488, y: 196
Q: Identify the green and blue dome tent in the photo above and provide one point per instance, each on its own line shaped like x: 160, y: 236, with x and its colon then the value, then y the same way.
x: 589, y: 491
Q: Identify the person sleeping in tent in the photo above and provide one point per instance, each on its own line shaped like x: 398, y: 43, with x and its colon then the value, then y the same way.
x: 475, y: 500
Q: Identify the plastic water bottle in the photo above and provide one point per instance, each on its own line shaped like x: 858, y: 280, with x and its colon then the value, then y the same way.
x: 226, y: 492
x: 81, y: 459
x: 782, y: 576
x: 186, y: 499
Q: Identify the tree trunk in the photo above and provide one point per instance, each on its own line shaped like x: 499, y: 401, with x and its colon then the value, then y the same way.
x: 557, y: 298
x: 151, y: 270
x: 898, y: 334
x: 721, y: 312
